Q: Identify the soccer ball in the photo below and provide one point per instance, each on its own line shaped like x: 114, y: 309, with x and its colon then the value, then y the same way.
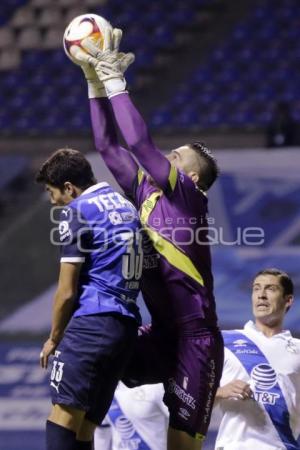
x: 86, y: 25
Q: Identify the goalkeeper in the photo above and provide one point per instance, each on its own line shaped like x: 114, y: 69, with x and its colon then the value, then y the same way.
x: 183, y: 347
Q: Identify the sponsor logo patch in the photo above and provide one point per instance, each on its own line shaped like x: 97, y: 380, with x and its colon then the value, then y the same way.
x: 186, y: 398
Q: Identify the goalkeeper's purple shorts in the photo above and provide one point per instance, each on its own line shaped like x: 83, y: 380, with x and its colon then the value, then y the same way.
x: 190, y: 367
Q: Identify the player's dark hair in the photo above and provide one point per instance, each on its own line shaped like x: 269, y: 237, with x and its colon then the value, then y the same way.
x: 209, y: 170
x: 65, y: 165
x: 284, y: 279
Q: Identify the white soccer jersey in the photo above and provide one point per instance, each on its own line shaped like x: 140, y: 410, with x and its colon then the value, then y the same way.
x: 246, y: 424
x: 138, y: 419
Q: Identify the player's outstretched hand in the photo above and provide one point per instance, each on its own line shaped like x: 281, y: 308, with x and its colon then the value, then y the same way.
x: 112, y: 43
x: 48, y: 349
x: 125, y: 60
x: 235, y: 389
x: 95, y: 86
x: 108, y: 65
x: 106, y: 62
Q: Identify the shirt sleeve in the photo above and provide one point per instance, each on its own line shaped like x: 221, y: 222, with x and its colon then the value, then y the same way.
x: 75, y: 236
x: 118, y: 160
x: 139, y: 142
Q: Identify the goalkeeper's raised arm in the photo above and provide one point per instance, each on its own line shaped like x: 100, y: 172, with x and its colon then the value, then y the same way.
x: 109, y: 65
x: 118, y: 160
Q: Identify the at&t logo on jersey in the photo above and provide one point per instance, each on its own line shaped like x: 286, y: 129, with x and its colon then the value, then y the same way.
x: 127, y: 436
x: 264, y: 378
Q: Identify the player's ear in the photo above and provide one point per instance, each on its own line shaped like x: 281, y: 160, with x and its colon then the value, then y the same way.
x: 194, y: 176
x: 69, y: 188
x: 289, y: 302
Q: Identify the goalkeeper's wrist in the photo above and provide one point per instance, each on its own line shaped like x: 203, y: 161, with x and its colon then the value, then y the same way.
x: 114, y: 86
x: 95, y: 89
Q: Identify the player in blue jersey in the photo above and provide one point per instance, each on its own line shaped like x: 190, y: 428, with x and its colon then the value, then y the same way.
x: 95, y: 316
x: 183, y: 349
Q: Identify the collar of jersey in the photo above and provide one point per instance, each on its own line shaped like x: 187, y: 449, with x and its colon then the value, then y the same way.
x: 284, y: 334
x: 94, y: 188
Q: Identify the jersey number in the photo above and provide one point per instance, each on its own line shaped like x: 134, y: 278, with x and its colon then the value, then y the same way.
x: 132, y: 264
x: 57, y: 371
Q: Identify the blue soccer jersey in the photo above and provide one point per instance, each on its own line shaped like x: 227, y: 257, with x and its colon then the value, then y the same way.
x: 101, y: 230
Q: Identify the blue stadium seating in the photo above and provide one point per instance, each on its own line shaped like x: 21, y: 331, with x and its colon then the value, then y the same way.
x: 236, y: 86
x: 30, y: 104
x: 7, y: 9
x: 254, y: 68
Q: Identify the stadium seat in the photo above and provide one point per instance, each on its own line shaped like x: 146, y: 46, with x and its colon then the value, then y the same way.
x: 71, y: 3
x: 52, y: 38
x: 264, y: 45
x: 255, y: 65
x: 161, y: 118
x: 8, y: 8
x: 41, y: 3
x: 50, y: 16
x: 73, y: 12
x: 24, y: 17
x: 29, y: 38
x: 10, y: 58
x: 31, y: 60
x: 94, y: 3
x: 143, y: 58
x: 182, y: 16
x: 163, y: 37
x: 7, y: 37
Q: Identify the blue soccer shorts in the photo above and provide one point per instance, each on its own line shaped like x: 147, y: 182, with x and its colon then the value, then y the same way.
x: 90, y: 360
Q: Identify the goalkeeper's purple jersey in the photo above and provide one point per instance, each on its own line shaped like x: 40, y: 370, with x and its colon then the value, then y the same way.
x: 177, y: 282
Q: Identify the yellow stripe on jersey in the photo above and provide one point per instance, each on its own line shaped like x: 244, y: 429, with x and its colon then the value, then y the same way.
x: 174, y: 256
x: 167, y: 249
x: 148, y: 205
x: 140, y: 175
x: 173, y: 177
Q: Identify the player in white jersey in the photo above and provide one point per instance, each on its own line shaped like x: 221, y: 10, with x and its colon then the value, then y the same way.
x: 137, y: 419
x: 259, y: 394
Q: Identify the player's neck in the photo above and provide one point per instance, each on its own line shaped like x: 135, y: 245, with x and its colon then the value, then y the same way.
x: 269, y: 330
